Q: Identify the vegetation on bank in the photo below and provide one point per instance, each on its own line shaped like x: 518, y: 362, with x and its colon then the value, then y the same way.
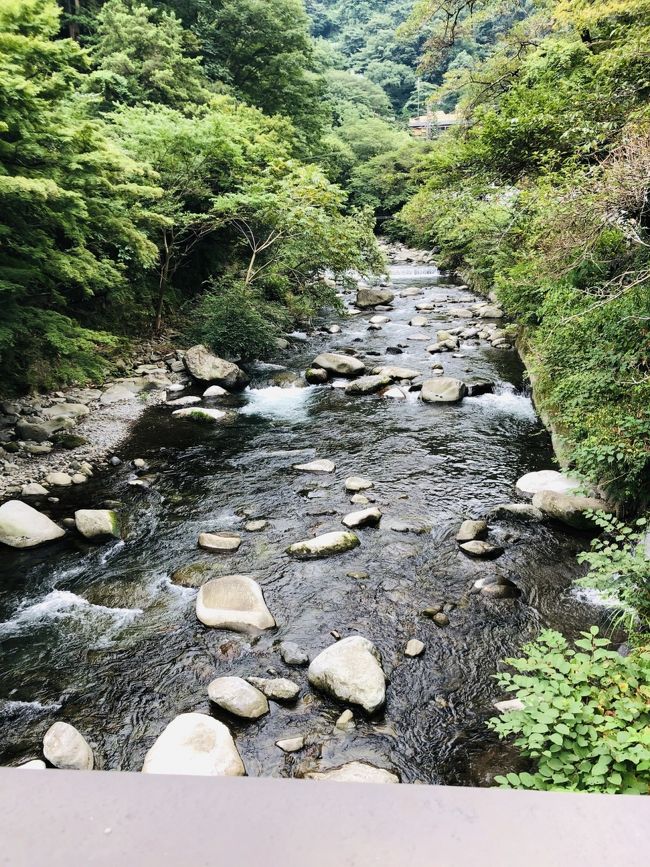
x: 542, y: 197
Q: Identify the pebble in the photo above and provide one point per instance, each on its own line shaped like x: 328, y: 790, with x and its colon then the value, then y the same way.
x: 115, y: 461
x: 293, y: 654
x: 414, y: 647
x: 139, y: 463
x: 256, y: 526
x: 346, y: 721
x: 79, y: 479
x: 441, y: 619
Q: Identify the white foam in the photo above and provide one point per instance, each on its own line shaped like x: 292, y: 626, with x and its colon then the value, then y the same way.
x: 506, y: 401
x: 277, y: 402
x: 14, y: 708
x: 62, y: 604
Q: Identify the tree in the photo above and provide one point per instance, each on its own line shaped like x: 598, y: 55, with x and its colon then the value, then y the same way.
x: 145, y: 56
x: 71, y: 205
x: 263, y: 50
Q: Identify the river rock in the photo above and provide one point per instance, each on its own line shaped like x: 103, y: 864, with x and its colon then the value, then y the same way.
x: 190, y: 400
x: 97, y: 523
x: 351, y: 671
x: 206, y: 367
x: 62, y: 411
x: 397, y: 373
x: 485, y: 550
x: 219, y: 543
x: 367, y: 297
x: 419, y: 322
x: 414, y: 647
x: 116, y: 394
x: 324, y: 546
x: 442, y: 390
x: 201, y: 414
x: 316, y: 376
x: 256, y: 526
x: 509, y: 705
x: 193, y: 574
x: 379, y: 320
x: 61, y: 480
x: 34, y: 490
x: 516, y: 512
x: 491, y: 312
x: 546, y: 480
x: 276, y: 688
x: 291, y: 745
x: 319, y: 466
x: 22, y: 526
x: 214, y: 391
x: 196, y: 744
x: 367, y: 384
x: 364, y: 518
x: 475, y: 389
x: 233, y: 602
x: 354, y: 772
x: 342, y: 365
x: 345, y: 723
x: 470, y: 530
x: 238, y: 697
x: 568, y: 508
x: 34, y: 765
x: 66, y: 748
x: 293, y: 654
x: 358, y: 483
x: 38, y: 430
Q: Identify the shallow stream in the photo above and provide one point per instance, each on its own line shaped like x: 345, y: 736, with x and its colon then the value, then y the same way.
x: 101, y: 637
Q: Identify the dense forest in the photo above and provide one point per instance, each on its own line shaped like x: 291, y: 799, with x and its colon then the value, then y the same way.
x: 199, y: 164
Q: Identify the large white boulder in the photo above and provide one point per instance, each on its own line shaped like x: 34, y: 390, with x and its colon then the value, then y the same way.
x: 22, y: 526
x: 351, y: 671
x: 196, y: 744
x: 354, y: 772
x: 239, y: 697
x: 205, y: 366
x: 324, y: 546
x: 67, y: 748
x: 97, y: 523
x: 445, y: 389
x: 342, y: 365
x: 546, y: 480
x: 233, y: 602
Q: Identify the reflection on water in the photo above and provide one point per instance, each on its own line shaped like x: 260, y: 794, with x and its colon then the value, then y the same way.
x: 102, y: 637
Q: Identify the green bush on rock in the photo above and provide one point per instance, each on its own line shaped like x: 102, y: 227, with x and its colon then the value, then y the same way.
x: 585, y: 724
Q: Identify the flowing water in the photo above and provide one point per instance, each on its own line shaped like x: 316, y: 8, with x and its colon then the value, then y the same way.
x: 101, y: 637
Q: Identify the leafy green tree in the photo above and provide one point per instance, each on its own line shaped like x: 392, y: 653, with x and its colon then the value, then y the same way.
x: 263, y: 50
x: 142, y: 55
x: 71, y: 205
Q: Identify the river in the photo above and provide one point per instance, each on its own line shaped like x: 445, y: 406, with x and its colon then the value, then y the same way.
x: 101, y: 637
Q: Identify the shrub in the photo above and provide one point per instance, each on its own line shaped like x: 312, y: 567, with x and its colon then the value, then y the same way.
x: 235, y: 321
x: 585, y: 724
x: 619, y: 566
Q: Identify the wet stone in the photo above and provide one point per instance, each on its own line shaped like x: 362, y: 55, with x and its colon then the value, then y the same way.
x: 293, y: 654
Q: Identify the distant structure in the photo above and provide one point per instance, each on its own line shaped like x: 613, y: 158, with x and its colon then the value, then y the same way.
x: 432, y: 124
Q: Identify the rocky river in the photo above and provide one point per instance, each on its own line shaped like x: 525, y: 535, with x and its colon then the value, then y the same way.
x: 106, y: 636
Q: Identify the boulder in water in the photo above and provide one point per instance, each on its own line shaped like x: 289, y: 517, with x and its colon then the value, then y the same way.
x: 477, y: 548
x: 367, y: 297
x: 470, y: 530
x: 358, y: 483
x: 97, y: 523
x: 351, y: 671
x: 316, y: 376
x: 206, y: 367
x: 197, y: 744
x: 324, y: 545
x: 233, y: 602
x: 200, y: 414
x: 397, y: 373
x: 354, y: 772
x: 445, y: 389
x: 238, y: 697
x: 568, y: 508
x: 276, y: 688
x: 293, y: 654
x: 341, y: 365
x: 22, y: 526
x: 364, y: 518
x: 67, y: 748
x: 367, y: 384
x: 213, y: 391
x: 319, y: 466
x: 414, y: 647
x: 219, y: 543
x: 547, y: 480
